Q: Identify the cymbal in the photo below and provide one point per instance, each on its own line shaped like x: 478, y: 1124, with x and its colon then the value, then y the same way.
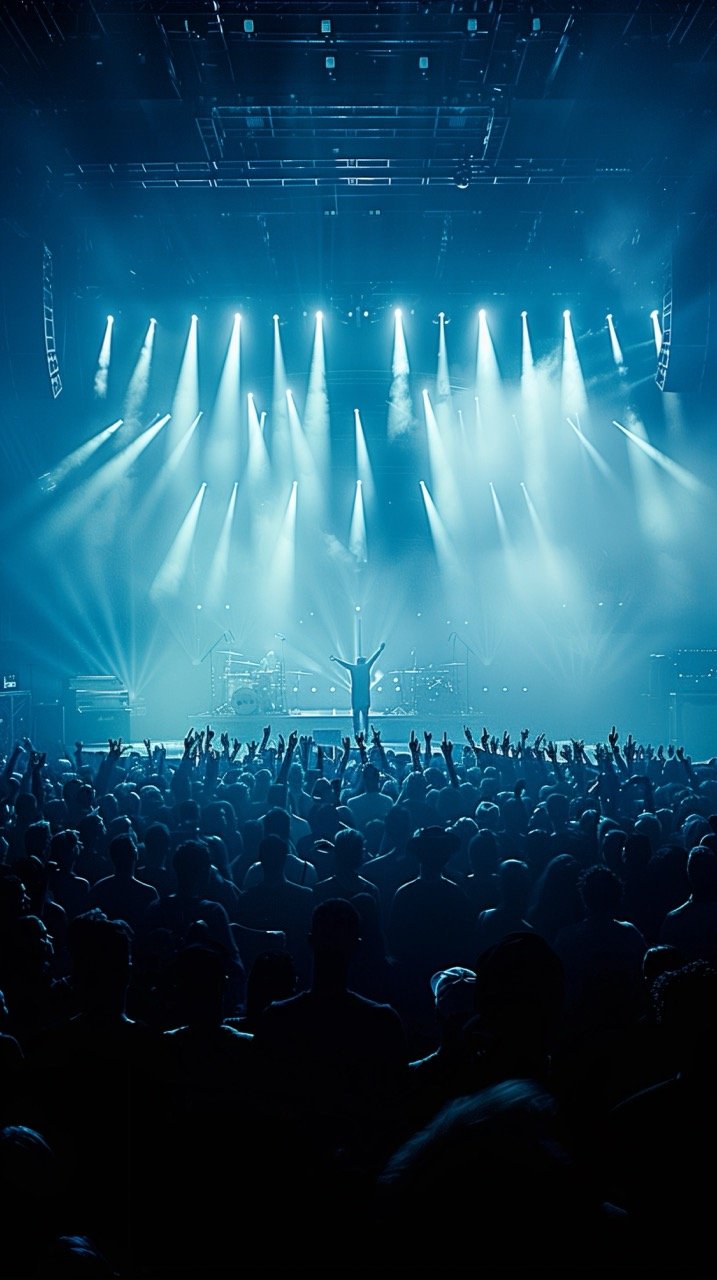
x: 454, y: 664
x: 299, y: 673
x: 247, y: 664
x: 231, y: 653
x: 413, y: 671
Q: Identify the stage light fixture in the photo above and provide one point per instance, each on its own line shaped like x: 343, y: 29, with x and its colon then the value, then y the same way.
x: 248, y: 26
x: 423, y: 63
x: 462, y: 179
x: 326, y: 26
x: 330, y: 62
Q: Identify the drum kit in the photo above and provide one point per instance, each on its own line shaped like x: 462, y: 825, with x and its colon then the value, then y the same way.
x: 252, y: 688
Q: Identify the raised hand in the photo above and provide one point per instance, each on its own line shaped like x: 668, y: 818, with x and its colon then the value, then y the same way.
x: 447, y: 747
x: 428, y: 739
x: 630, y: 748
x: 414, y: 745
x: 210, y: 734
x: 189, y: 742
x: 346, y: 744
x: 551, y: 751
x: 293, y: 739
x: 613, y: 737
x: 485, y: 739
x: 566, y: 753
x: 469, y: 734
x: 376, y: 737
x: 505, y: 744
x: 661, y: 754
x: 494, y: 745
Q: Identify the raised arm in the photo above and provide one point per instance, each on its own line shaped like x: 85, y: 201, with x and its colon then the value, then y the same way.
x: 348, y: 665
x: 377, y: 654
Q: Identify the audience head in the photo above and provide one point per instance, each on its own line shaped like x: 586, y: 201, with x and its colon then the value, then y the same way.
x: 601, y: 892
x: 702, y: 874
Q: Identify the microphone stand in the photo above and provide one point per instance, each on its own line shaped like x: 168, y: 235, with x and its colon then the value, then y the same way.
x: 469, y: 651
x: 209, y: 653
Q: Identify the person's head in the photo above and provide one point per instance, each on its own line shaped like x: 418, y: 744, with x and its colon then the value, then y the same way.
x: 322, y: 793
x: 397, y: 826
x: 37, y: 840
x: 702, y: 874
x: 513, y: 885
x: 64, y: 848
x: 157, y: 842
x: 92, y: 831
x: 277, y: 822
x: 601, y: 892
x: 262, y: 782
x: 433, y: 847
x: 454, y: 996
x: 612, y: 845
x: 33, y: 946
x: 483, y: 853
x: 636, y: 854
x: 360, y: 660
x: 335, y: 930
x: 100, y: 951
x: 649, y: 825
x: 123, y: 855
x: 371, y: 778
x: 295, y: 776
x: 658, y: 960
x: 349, y: 851
x: 192, y: 866
x: 414, y: 787
x: 487, y: 816
x: 273, y: 852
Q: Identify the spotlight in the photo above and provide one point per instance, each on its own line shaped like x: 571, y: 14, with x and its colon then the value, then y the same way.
x: 566, y: 315
x: 275, y: 316
x: 194, y: 318
x: 152, y: 320
x: 237, y: 316
x: 654, y: 314
x: 524, y: 315
x: 609, y: 315
x: 462, y: 178
x: 319, y: 315
x: 110, y: 319
x: 481, y: 314
x: 397, y: 313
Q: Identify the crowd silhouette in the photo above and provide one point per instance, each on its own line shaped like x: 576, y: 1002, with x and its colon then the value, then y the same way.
x: 278, y: 1007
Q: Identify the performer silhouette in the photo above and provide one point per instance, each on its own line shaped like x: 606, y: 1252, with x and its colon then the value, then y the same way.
x: 360, y: 673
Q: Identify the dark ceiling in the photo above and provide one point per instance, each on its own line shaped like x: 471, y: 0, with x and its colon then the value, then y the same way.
x: 149, y: 134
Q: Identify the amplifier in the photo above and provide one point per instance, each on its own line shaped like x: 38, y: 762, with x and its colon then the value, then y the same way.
x: 98, y: 724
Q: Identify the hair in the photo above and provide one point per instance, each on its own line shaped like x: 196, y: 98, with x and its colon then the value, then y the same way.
x: 123, y: 853
x: 349, y: 850
x: 192, y: 865
x: 601, y: 891
x: 702, y: 873
x: 277, y: 822
x: 514, y: 884
x: 335, y: 926
x: 273, y: 852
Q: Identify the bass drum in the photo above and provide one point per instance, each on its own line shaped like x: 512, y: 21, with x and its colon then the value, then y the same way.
x: 244, y: 700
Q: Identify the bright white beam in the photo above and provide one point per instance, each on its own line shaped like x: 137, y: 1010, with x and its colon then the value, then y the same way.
x: 103, y: 361
x: 78, y: 457
x: 136, y: 393
x: 357, y: 533
x: 400, y: 407
x: 220, y: 561
x: 223, y: 442
x: 170, y: 575
x: 615, y: 345
x: 574, y: 400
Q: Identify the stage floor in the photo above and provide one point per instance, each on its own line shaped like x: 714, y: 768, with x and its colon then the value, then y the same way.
x: 326, y: 729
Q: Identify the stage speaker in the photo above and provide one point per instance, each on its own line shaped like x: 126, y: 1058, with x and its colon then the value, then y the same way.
x: 689, y: 329
x: 99, y: 724
x: 48, y: 725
